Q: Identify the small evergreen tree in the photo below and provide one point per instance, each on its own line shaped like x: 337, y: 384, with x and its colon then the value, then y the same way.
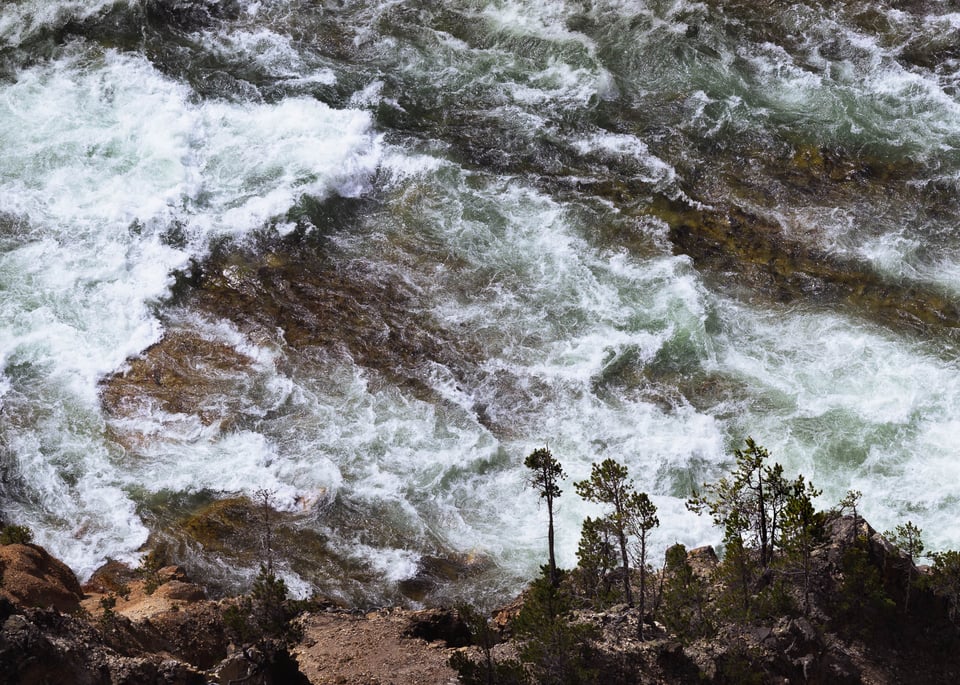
x: 15, y: 535
x: 756, y: 505
x: 803, y: 532
x: 546, y: 474
x: 266, y: 614
x: 945, y: 580
x: 643, y: 519
x: 862, y: 600
x: 265, y: 498
x: 555, y: 649
x: 684, y: 597
x: 597, y: 556
x: 908, y: 539
x: 727, y: 503
x: 780, y: 492
x: 149, y: 570
x: 849, y: 503
x: 765, y: 494
x: 755, y: 494
x: 609, y: 484
x: 736, y: 575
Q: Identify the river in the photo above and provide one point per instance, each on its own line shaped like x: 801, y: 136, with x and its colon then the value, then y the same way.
x: 389, y: 248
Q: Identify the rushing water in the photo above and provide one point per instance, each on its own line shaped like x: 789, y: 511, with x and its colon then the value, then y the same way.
x: 491, y: 170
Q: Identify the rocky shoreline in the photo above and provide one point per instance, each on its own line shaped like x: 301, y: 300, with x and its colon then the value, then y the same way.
x: 121, y: 627
x: 52, y: 629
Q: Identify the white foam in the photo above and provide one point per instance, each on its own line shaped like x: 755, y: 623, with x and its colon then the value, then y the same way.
x: 103, y: 155
x: 275, y: 54
x: 629, y: 148
x: 562, y: 84
x: 19, y: 20
x: 541, y: 19
x: 880, y: 409
x: 552, y: 312
x: 392, y: 565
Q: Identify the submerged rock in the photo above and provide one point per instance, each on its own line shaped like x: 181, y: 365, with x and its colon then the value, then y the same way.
x: 288, y: 295
x: 755, y: 253
x: 190, y: 15
x: 434, y: 572
x: 181, y: 374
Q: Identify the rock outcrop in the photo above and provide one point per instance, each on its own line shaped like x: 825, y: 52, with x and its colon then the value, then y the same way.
x: 33, y: 578
x: 123, y: 631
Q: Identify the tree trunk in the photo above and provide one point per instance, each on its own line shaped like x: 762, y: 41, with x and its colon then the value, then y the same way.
x: 626, y: 567
x: 643, y: 585
x: 554, y: 578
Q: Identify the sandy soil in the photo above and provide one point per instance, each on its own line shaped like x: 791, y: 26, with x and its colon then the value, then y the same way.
x: 370, y: 649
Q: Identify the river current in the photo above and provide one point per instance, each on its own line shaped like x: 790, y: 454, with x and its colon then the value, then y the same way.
x: 639, y: 230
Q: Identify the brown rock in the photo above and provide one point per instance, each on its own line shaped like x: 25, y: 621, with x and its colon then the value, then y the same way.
x: 341, y: 647
x: 33, y: 578
x: 113, y: 576
x: 432, y: 625
x: 703, y: 561
x: 504, y: 617
x: 176, y: 589
x: 168, y: 573
x: 193, y: 634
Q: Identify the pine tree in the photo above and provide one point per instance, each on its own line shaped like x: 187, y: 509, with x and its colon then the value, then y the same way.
x: 907, y: 538
x: 727, y: 503
x: 945, y: 580
x: 642, y: 519
x: 597, y: 558
x: 803, y: 532
x: 684, y: 597
x: 555, y: 649
x: 850, y: 501
x: 609, y: 484
x: 547, y: 472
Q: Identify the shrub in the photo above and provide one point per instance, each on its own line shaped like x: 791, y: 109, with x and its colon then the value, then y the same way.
x: 945, y: 580
x: 555, y: 649
x: 486, y: 670
x: 862, y: 601
x: 684, y: 597
x: 149, y: 570
x: 264, y: 614
x: 109, y: 602
x: 15, y: 535
x: 597, y: 556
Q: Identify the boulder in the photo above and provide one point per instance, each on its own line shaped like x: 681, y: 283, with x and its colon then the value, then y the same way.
x: 185, y: 592
x: 438, y: 624
x: 33, y: 578
x: 43, y: 646
x: 114, y: 576
x: 703, y: 561
x: 194, y: 634
x: 266, y: 664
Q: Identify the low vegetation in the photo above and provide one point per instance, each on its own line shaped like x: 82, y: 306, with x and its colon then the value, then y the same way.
x: 15, y: 535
